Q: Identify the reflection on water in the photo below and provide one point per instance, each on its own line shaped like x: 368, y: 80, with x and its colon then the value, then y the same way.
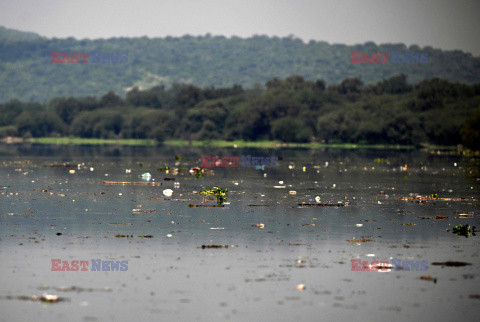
x: 301, y: 222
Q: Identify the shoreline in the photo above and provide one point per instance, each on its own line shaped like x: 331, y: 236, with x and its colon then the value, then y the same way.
x: 218, y: 143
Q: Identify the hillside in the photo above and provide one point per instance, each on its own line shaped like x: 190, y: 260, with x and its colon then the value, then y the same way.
x: 27, y: 72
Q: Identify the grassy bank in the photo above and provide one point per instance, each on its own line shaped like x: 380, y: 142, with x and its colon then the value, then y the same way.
x: 278, y: 144
x: 213, y: 143
x: 89, y: 141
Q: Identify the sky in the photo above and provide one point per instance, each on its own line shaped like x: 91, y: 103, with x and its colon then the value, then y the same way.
x: 443, y: 24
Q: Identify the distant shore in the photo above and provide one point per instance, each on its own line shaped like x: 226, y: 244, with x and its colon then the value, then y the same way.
x: 215, y: 143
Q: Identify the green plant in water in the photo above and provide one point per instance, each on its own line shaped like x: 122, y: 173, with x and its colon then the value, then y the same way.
x: 464, y: 230
x: 219, y: 193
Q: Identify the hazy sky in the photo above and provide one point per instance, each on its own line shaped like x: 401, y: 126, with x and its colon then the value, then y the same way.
x: 445, y: 24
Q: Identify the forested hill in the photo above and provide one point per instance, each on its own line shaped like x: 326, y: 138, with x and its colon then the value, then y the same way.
x: 27, y: 72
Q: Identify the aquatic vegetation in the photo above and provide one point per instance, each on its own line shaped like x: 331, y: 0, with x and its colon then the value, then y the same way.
x: 464, y: 230
x: 219, y: 193
x: 381, y: 160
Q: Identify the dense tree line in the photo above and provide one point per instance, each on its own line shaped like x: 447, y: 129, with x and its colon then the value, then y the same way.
x: 433, y: 111
x: 28, y: 73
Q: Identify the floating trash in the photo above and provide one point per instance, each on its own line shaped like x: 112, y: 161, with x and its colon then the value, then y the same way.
x: 169, y: 235
x: 301, y: 287
x: 451, y: 264
x: 259, y: 225
x: 325, y: 204
x: 214, y: 246
x: 133, y: 183
x: 168, y: 192
x: 317, y: 199
x: 361, y: 240
x: 146, y: 176
x: 71, y: 171
x: 434, y: 217
x: 428, y: 278
x: 128, y: 170
x: 292, y: 192
x: 359, y: 225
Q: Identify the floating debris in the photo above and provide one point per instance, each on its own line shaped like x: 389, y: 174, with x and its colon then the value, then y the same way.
x: 170, y: 199
x: 474, y: 296
x: 208, y: 206
x: 45, y: 298
x: 124, y: 236
x: 76, y: 289
x: 71, y: 171
x: 434, y: 217
x: 301, y: 287
x: 359, y: 225
x: 428, y: 278
x: 259, y: 225
x: 325, y: 204
x: 146, y: 236
x: 200, y: 171
x: 146, y: 176
x: 168, y: 192
x: 432, y: 197
x: 409, y: 224
x: 451, y: 264
x: 214, y: 246
x: 143, y: 210
x: 361, y: 240
x: 133, y: 183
